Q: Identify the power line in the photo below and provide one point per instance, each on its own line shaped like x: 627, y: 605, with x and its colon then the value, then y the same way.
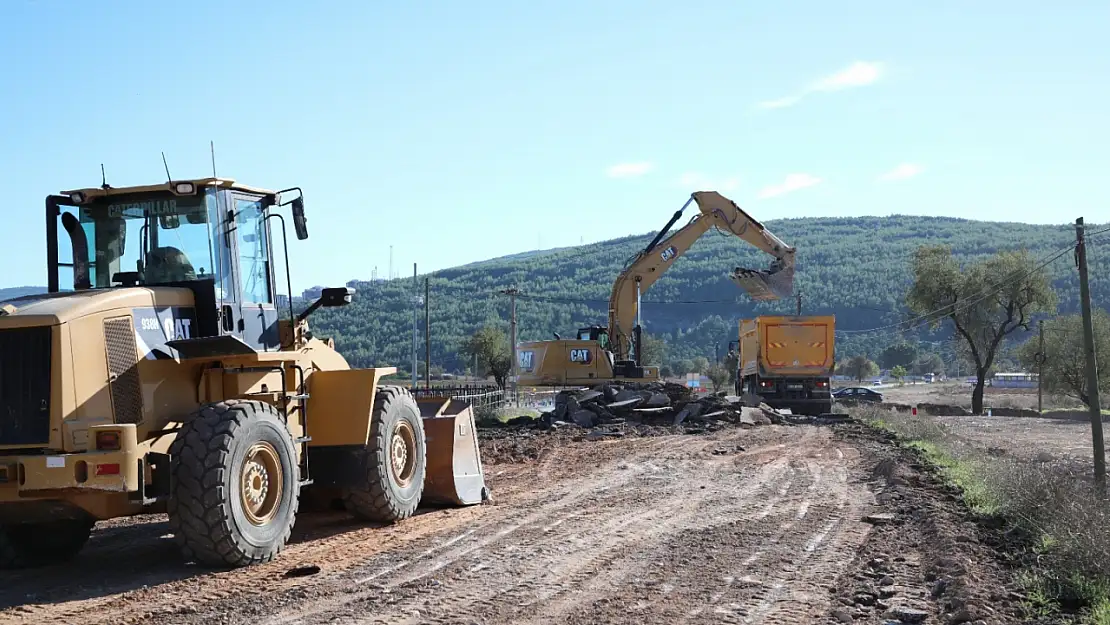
x: 564, y: 300
x: 964, y: 304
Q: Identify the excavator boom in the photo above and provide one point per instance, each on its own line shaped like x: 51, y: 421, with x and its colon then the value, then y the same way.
x: 716, y: 211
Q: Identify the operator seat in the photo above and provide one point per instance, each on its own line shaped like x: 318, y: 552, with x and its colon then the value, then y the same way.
x: 168, y: 264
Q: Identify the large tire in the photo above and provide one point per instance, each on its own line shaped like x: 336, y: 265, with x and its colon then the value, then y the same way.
x: 41, y: 544
x: 391, y: 466
x: 227, y: 462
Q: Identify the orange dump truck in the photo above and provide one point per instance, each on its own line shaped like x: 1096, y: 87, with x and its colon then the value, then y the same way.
x: 787, y: 362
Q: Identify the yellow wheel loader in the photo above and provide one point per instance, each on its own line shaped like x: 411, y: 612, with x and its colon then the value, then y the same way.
x: 613, y: 352
x: 164, y: 379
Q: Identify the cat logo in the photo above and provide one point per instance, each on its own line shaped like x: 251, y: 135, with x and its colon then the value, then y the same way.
x: 178, y: 328
x: 668, y: 253
x: 524, y: 360
x: 582, y: 355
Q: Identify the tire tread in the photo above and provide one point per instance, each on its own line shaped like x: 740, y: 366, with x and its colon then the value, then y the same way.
x: 372, y: 500
x: 201, y: 449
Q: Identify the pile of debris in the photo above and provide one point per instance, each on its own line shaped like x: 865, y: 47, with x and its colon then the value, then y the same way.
x: 660, y: 404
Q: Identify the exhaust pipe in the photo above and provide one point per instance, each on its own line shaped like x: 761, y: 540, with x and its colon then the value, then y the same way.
x: 80, y: 251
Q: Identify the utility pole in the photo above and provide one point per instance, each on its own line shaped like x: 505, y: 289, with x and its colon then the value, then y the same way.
x: 415, y: 309
x: 1093, y: 400
x: 799, y: 304
x: 427, y: 336
x: 1040, y: 369
x: 512, y: 292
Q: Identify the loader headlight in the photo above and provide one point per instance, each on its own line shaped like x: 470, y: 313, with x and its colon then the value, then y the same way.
x: 77, y: 197
x: 107, y: 441
x: 185, y: 188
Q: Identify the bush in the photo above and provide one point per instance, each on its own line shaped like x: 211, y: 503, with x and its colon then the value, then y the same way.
x: 1053, y: 506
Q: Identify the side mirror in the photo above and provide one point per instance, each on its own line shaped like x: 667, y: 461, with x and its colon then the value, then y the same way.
x: 338, y: 296
x: 329, y: 298
x: 299, y: 220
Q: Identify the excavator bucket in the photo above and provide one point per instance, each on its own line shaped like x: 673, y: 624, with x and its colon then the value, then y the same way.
x: 454, y: 473
x: 776, y: 283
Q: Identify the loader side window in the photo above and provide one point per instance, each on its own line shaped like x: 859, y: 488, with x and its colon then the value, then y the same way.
x: 254, y: 252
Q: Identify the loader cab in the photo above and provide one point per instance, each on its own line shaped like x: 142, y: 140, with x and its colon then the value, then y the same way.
x: 211, y: 236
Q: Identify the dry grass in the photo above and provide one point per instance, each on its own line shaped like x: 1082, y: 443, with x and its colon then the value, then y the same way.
x: 1051, y: 507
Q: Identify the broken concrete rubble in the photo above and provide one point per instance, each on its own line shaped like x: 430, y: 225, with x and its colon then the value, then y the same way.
x: 653, y: 403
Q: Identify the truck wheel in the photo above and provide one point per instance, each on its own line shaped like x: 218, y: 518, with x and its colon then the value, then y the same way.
x: 390, y: 479
x: 40, y: 544
x: 234, y: 486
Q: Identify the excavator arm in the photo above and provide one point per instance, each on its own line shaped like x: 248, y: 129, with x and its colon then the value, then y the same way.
x: 649, y: 264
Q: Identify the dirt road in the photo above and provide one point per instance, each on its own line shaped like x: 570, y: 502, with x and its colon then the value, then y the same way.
x: 761, y: 525
x: 741, y: 526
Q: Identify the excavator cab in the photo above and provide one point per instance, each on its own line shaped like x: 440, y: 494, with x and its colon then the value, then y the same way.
x: 595, y: 333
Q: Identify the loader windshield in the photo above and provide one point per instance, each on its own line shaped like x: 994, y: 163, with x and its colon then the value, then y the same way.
x: 149, y: 238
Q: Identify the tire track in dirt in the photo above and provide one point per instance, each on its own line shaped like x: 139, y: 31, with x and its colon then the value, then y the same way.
x: 524, y: 557
x: 555, y: 571
x: 650, y: 530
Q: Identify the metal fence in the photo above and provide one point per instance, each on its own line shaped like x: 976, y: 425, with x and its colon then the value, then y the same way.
x: 482, y: 396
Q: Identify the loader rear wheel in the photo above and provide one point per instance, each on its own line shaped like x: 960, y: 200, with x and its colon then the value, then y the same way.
x: 41, y: 544
x: 390, y: 480
x: 235, y: 487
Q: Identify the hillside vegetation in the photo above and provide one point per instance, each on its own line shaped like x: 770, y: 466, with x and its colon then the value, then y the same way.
x: 20, y: 291
x: 855, y: 268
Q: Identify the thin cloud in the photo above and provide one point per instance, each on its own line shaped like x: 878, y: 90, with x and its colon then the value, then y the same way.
x: 629, y: 170
x: 858, y: 74
x: 793, y: 182
x: 699, y: 181
x: 901, y: 172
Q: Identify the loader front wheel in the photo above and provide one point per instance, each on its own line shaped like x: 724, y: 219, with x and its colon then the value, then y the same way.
x: 41, y: 544
x: 390, y: 479
x: 235, y: 485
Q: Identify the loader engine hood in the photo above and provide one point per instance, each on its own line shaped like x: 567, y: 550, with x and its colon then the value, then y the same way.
x: 58, y: 308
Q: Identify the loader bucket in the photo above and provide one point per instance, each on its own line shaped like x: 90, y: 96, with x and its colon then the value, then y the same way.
x: 454, y: 473
x: 765, y: 285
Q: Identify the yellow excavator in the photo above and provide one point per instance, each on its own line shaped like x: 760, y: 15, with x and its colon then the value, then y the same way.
x: 613, y: 352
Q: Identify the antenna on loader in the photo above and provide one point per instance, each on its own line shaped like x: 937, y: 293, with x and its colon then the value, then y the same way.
x: 103, y: 179
x: 212, y: 147
x: 167, y: 166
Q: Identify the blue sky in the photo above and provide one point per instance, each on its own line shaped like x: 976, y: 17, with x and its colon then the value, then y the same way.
x: 460, y: 131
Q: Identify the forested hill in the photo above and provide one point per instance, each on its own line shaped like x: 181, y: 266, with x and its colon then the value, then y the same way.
x: 855, y: 268
x: 19, y: 291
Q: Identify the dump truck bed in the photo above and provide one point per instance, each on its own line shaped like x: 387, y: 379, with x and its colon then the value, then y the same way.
x: 787, y: 346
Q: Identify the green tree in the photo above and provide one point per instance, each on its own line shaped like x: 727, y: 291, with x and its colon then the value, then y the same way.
x: 682, y: 367
x: 1065, y: 364
x: 901, y: 353
x: 898, y: 373
x: 718, y: 376
x: 700, y: 365
x: 491, y: 346
x: 985, y: 302
x: 928, y: 363
x: 860, y: 367
x: 653, y: 348
x: 665, y: 372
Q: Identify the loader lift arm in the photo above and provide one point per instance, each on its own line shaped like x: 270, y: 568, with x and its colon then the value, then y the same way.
x: 643, y: 269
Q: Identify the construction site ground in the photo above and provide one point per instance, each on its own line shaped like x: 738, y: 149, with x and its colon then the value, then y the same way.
x: 770, y: 524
